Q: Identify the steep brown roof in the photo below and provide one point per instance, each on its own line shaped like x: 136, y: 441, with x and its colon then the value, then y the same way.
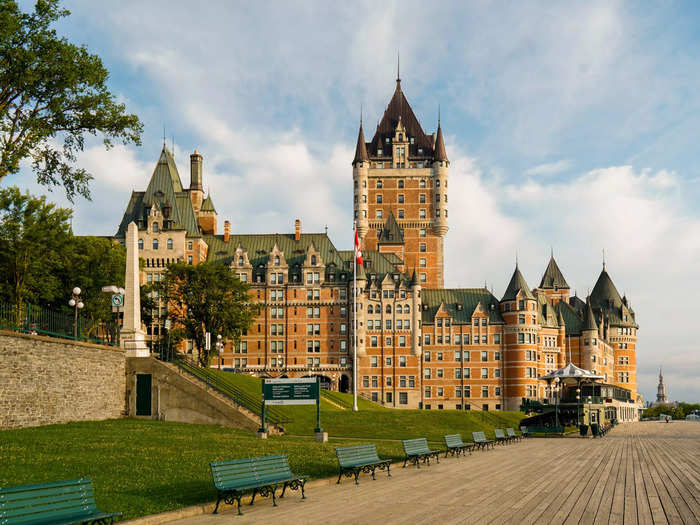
x: 399, y: 107
x: 440, y: 153
x: 361, y: 149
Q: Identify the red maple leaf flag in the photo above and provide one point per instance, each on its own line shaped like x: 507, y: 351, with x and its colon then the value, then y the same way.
x: 358, y: 251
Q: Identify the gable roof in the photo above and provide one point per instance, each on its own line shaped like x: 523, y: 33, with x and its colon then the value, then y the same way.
x: 553, y: 278
x: 517, y: 283
x: 391, y: 233
x: 468, y: 298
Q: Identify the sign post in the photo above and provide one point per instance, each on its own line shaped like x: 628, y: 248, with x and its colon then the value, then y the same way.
x: 293, y: 391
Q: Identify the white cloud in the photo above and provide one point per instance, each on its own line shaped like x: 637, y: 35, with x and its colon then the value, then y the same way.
x: 549, y: 169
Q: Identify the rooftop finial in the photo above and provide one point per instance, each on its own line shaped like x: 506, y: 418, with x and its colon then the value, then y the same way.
x: 360, y: 114
x: 516, y: 258
x: 551, y: 250
x: 398, y: 66
x: 164, y: 136
x: 438, y: 115
x: 603, y: 258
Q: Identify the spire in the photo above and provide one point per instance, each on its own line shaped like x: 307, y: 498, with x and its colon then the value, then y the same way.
x: 440, y: 153
x: 553, y: 278
x: 590, y: 318
x: 361, y: 148
x: 517, y: 284
x: 398, y: 69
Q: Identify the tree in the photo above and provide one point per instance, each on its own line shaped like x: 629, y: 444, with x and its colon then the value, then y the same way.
x: 206, y: 297
x: 53, y: 92
x: 34, y: 242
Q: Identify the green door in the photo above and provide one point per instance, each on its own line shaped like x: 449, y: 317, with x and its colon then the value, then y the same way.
x: 143, y: 394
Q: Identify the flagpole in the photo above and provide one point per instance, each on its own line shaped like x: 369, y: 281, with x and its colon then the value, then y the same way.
x: 354, y: 318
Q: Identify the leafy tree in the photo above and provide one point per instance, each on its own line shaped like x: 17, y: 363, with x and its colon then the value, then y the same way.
x: 206, y: 297
x: 34, y: 242
x: 53, y: 92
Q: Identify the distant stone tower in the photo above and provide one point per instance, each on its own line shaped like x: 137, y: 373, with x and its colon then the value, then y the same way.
x: 661, y: 397
x: 400, y: 192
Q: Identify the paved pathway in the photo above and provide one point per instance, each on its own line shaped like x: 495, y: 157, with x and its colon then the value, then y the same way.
x: 639, y: 473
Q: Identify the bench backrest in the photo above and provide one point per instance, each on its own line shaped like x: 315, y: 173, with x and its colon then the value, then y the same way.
x: 511, y: 432
x: 50, y: 502
x: 479, y: 437
x: 416, y: 446
x: 453, y: 440
x: 498, y: 432
x: 523, y: 430
x: 356, y: 454
x: 239, y: 472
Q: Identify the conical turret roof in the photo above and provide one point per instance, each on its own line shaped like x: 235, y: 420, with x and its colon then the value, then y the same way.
x: 590, y: 323
x: 440, y: 153
x: 517, y: 283
x: 553, y: 278
x: 604, y: 291
x: 208, y: 205
x: 361, y: 148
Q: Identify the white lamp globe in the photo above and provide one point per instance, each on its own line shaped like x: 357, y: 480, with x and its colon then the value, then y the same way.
x: 76, y: 290
x: 80, y: 304
x: 71, y: 302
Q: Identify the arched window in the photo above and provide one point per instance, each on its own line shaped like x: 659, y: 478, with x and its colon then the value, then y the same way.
x: 277, y: 260
x: 399, y: 309
x: 170, y: 244
x: 155, y: 227
x: 140, y: 244
x: 313, y: 260
x: 388, y: 308
x: 155, y: 244
x: 370, y: 310
x: 240, y: 261
x: 407, y: 309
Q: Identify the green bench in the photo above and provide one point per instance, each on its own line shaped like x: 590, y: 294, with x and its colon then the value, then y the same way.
x: 512, y: 435
x: 480, y: 440
x: 500, y: 436
x: 57, y: 503
x: 454, y: 445
x: 417, y: 450
x: 234, y: 478
x: 360, y: 458
x: 524, y: 432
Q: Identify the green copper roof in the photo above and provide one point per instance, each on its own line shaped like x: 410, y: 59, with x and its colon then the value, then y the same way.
x: 548, y: 315
x: 604, y: 291
x: 571, y: 318
x: 517, y: 283
x: 553, y: 278
x: 208, y: 205
x: 468, y: 298
x: 391, y: 233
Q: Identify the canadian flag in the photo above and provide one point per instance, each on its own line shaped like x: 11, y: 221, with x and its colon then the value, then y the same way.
x: 358, y: 251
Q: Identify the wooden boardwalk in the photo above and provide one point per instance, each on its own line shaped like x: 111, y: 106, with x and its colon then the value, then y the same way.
x: 639, y: 473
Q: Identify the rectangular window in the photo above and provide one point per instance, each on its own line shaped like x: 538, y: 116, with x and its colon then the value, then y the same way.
x: 402, y: 360
x: 403, y: 398
x: 467, y: 373
x: 373, y: 361
x: 484, y: 356
x: 401, y: 200
x: 484, y: 391
x: 521, y: 338
x: 422, y: 214
x: 484, y: 373
x: 458, y: 373
x: 427, y: 392
x: 467, y: 393
x: 497, y: 339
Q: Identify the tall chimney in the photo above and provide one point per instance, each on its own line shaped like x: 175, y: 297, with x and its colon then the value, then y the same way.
x: 297, y: 230
x: 196, y: 171
x: 227, y: 231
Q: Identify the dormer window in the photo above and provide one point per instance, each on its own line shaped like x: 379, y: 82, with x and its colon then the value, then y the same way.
x: 155, y: 227
x: 240, y: 261
x: 400, y: 137
x: 413, y: 140
x: 313, y: 260
x: 380, y: 152
x: 277, y: 260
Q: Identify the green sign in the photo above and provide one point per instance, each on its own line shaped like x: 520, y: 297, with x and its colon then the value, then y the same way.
x: 288, y: 391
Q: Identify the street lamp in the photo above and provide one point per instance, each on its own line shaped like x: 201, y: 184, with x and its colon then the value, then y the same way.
x: 578, y: 408
x: 77, y: 304
x: 220, y: 348
x: 556, y: 402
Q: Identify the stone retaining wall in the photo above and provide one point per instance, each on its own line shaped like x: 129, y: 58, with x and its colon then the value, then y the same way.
x: 45, y: 380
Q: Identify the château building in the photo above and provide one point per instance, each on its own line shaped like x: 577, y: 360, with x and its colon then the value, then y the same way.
x: 420, y: 345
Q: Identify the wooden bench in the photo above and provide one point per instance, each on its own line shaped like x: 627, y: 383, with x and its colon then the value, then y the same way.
x: 59, y: 502
x: 512, y: 435
x: 454, y: 445
x: 417, y: 450
x: 261, y: 475
x: 480, y: 440
x: 361, y: 458
x: 500, y: 436
x: 523, y: 432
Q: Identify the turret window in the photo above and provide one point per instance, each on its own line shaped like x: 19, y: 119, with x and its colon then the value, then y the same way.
x: 401, y: 214
x: 437, y: 212
x: 421, y: 198
x: 170, y: 244
x: 240, y: 261
x: 364, y: 198
x: 401, y: 201
x: 380, y: 215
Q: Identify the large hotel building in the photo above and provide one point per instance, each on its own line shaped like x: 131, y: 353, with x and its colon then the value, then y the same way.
x: 420, y: 345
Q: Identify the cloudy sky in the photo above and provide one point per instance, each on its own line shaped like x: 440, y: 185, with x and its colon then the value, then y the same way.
x: 570, y: 126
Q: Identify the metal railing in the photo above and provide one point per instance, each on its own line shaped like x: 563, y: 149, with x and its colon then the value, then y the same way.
x: 237, y: 395
x: 32, y: 319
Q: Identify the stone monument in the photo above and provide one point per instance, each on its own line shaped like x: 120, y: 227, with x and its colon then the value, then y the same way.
x: 132, y: 337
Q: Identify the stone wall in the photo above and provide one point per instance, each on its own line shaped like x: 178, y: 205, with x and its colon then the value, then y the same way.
x: 45, y: 380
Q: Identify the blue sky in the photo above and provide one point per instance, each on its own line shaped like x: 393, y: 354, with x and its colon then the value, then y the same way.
x: 569, y: 125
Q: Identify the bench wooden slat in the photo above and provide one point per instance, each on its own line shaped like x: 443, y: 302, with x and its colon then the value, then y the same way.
x: 417, y: 449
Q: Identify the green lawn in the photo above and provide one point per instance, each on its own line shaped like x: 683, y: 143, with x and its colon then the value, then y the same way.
x: 143, y: 467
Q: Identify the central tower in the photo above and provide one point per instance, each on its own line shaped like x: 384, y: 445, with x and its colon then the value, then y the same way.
x: 400, y: 191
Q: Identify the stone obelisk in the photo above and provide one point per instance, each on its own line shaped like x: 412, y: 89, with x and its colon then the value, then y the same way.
x: 132, y: 337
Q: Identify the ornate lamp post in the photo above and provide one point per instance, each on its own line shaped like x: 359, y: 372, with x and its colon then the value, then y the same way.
x: 578, y: 408
x: 220, y: 348
x: 556, y: 402
x: 77, y: 304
